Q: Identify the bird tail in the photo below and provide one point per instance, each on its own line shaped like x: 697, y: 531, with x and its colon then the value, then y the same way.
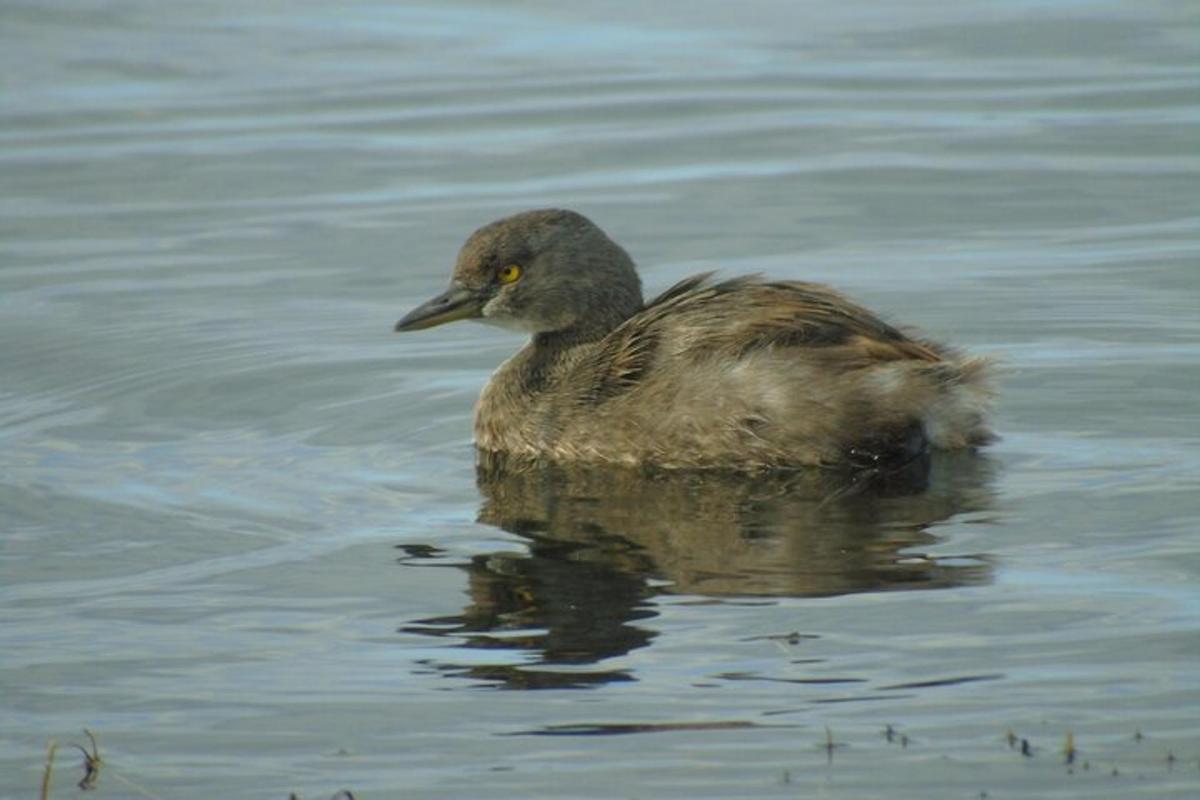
x: 957, y: 416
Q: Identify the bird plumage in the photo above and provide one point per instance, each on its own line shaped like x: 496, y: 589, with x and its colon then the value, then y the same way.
x: 744, y: 374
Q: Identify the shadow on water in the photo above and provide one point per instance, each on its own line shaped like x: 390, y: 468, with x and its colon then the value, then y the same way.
x: 602, y: 542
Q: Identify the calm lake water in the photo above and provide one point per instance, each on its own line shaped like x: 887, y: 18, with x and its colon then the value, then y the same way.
x: 241, y: 535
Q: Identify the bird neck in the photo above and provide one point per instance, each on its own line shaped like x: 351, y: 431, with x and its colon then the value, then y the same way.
x: 548, y: 355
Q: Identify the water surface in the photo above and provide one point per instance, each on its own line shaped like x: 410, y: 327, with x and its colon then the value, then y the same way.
x: 242, y: 536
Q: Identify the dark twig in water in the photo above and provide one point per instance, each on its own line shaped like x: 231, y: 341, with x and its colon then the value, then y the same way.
x: 1069, y: 751
x: 829, y: 745
x: 91, y: 763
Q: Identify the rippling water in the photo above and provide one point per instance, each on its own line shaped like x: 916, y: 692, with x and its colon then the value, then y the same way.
x: 242, y: 539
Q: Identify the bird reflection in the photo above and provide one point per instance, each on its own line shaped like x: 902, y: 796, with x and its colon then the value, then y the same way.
x: 603, y: 541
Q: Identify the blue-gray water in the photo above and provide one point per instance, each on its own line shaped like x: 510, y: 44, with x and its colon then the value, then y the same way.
x: 240, y: 534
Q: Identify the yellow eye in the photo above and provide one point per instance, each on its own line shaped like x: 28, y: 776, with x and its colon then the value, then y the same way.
x: 509, y: 274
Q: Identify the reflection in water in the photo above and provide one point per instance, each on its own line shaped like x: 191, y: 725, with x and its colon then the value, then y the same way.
x: 602, y: 541
x: 567, y: 609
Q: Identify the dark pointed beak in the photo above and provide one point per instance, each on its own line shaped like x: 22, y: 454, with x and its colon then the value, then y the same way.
x: 455, y: 303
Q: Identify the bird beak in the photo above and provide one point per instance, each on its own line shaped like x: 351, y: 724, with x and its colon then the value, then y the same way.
x: 457, y: 302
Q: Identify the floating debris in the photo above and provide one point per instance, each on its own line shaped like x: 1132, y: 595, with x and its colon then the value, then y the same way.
x: 1069, y: 751
x: 51, y: 749
x: 91, y: 763
x: 829, y: 745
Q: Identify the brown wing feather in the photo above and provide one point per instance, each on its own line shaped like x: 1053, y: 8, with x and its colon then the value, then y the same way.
x: 741, y: 315
x: 744, y: 314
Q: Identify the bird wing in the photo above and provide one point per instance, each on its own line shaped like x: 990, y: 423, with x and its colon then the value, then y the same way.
x: 699, y: 317
x: 747, y: 313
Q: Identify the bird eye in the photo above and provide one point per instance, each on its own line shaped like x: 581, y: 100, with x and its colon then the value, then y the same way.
x: 509, y: 274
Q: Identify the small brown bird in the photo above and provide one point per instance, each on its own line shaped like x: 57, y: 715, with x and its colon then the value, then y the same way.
x: 743, y: 374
